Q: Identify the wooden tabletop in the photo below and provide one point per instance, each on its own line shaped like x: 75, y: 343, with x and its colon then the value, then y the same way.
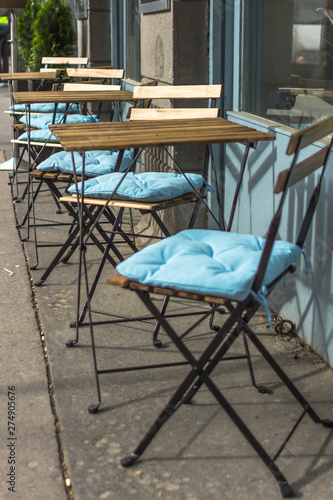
x: 73, y: 96
x: 121, y: 135
x: 29, y: 75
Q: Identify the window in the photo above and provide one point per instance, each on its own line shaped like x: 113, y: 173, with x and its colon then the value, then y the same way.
x: 125, y: 37
x: 288, y: 60
x: 154, y: 5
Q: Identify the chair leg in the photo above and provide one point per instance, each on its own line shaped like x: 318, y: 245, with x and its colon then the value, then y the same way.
x: 286, y: 380
x: 260, y: 388
x: 110, y: 245
x: 198, y: 371
x: 156, y: 341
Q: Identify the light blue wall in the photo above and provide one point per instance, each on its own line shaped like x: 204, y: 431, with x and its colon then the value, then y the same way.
x: 305, y: 298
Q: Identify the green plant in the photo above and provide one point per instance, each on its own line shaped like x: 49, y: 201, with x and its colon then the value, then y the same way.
x: 50, y: 32
x: 25, y: 30
x: 54, y: 33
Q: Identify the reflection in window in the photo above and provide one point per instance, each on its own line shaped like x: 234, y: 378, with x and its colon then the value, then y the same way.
x: 292, y: 51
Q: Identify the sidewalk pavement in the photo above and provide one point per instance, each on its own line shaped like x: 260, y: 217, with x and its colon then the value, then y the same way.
x: 29, y: 454
x: 65, y: 452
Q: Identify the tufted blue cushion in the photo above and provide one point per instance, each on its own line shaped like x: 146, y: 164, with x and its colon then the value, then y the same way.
x: 43, y: 134
x: 47, y: 107
x: 149, y: 186
x: 96, y: 163
x: 208, y: 262
x: 45, y: 119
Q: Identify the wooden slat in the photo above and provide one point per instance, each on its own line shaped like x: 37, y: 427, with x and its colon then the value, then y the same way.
x: 65, y: 60
x: 123, y: 282
x: 37, y: 174
x: 137, y: 205
x: 78, y: 96
x: 19, y: 126
x: 71, y: 87
x: 172, y: 113
x: 178, y: 91
x: 310, y: 134
x: 52, y: 176
x: 37, y: 143
x: 66, y: 177
x: 302, y: 170
x: 20, y: 113
x: 37, y: 75
x: 120, y: 135
x: 94, y: 73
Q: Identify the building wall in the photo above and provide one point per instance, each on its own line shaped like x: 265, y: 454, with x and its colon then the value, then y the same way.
x: 93, y: 33
x: 305, y: 298
x: 174, y: 52
x: 174, y: 46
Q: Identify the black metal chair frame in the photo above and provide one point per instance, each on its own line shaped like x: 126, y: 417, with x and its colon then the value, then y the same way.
x: 113, y: 318
x: 241, y: 312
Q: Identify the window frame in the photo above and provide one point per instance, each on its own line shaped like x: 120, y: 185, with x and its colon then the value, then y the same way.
x: 119, y: 17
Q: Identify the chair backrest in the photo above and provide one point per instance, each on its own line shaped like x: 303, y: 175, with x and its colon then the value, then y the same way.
x: 144, y: 94
x: 298, y: 171
x: 178, y: 92
x: 84, y: 86
x: 172, y: 113
x: 65, y: 61
x: 95, y: 73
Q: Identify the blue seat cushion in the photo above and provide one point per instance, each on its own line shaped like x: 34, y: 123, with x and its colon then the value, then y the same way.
x: 149, y: 186
x: 47, y: 107
x: 208, y: 262
x: 43, y: 120
x: 96, y: 162
x: 43, y: 134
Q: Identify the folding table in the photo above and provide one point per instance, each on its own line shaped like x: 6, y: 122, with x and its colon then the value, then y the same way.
x: 78, y: 97
x: 140, y: 134
x: 55, y: 75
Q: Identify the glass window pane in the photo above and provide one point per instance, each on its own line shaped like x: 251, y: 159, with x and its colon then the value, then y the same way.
x: 288, y: 63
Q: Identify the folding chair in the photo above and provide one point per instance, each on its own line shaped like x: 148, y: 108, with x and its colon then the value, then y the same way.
x: 178, y: 189
x: 238, y: 271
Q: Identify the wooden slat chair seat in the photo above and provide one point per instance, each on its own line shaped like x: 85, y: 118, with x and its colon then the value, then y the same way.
x: 241, y: 294
x: 123, y: 282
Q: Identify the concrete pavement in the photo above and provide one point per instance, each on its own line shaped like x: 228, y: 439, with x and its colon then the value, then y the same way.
x: 62, y: 451
x: 29, y: 450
